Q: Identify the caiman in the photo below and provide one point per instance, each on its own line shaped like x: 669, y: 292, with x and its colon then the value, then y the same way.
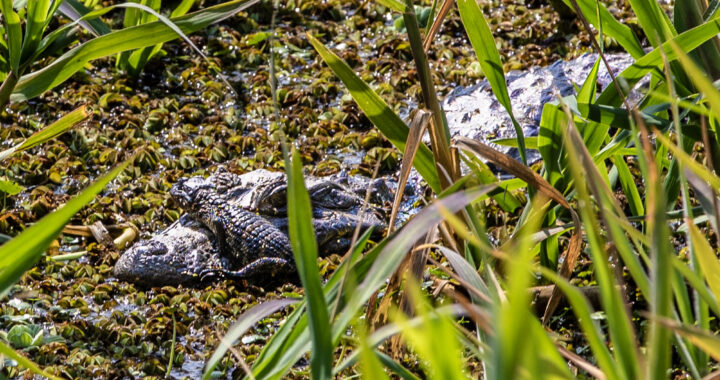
x: 235, y: 226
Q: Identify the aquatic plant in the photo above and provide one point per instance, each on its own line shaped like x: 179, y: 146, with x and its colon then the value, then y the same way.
x: 134, y: 61
x: 19, y: 51
x: 593, y: 147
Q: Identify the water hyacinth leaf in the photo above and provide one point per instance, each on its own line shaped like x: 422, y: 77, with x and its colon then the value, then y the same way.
x: 379, y: 113
x: 302, y: 237
x: 487, y: 54
x: 242, y: 325
x: 22, y: 252
x: 140, y: 36
x: 610, y: 26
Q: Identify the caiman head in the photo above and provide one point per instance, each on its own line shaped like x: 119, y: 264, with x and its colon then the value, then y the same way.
x: 178, y: 255
x: 191, y: 193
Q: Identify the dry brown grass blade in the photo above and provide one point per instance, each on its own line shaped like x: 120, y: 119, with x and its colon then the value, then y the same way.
x: 513, y: 167
x: 417, y: 129
x: 581, y: 363
x: 533, y: 179
x: 437, y: 23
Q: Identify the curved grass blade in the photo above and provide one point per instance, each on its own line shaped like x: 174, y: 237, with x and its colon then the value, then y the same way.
x: 302, y: 237
x: 57, y: 128
x: 74, y: 10
x: 583, y: 313
x: 652, y: 62
x: 386, y: 121
x: 20, y: 254
x: 14, y: 34
x: 656, y: 24
x: 483, y: 43
x: 244, y: 322
x: 24, y: 362
x: 140, y: 36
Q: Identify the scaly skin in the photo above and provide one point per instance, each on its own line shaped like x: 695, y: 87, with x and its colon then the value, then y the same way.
x: 191, y: 251
x: 251, y: 241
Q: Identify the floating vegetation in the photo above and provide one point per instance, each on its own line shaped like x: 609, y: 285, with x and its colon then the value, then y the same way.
x: 177, y: 117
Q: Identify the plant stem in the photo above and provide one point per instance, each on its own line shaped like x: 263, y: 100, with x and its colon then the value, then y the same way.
x: 7, y: 88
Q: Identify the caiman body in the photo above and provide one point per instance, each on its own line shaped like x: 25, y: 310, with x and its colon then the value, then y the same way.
x: 236, y: 226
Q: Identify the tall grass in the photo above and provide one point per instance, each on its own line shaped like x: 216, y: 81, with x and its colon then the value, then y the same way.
x: 588, y: 144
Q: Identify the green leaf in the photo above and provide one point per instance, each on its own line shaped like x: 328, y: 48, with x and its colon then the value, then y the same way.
x: 150, y: 34
x: 656, y: 24
x: 483, y: 43
x: 24, y: 362
x: 14, y: 34
x: 10, y: 187
x: 707, y: 258
x: 57, y: 128
x: 302, y: 237
x: 387, y: 122
x: 395, y: 5
x: 653, y: 61
x: 240, y: 327
x: 22, y: 252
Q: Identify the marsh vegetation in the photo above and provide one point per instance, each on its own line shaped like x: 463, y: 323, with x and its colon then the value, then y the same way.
x: 597, y: 261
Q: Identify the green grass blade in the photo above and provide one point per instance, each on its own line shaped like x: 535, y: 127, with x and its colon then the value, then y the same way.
x: 238, y: 329
x: 653, y: 61
x: 619, y: 323
x: 74, y: 10
x: 434, y: 330
x: 14, y: 34
x: 24, y: 362
x: 57, y: 128
x: 20, y: 254
x: 583, y: 313
x: 393, y: 253
x: 387, y: 122
x: 708, y: 260
x: 302, y: 237
x: 627, y: 181
x: 656, y: 24
x: 38, y: 12
x: 60, y: 126
x: 586, y: 94
x: 395, y: 5
x: 689, y: 163
x: 150, y: 34
x: 483, y: 43
x: 610, y: 26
